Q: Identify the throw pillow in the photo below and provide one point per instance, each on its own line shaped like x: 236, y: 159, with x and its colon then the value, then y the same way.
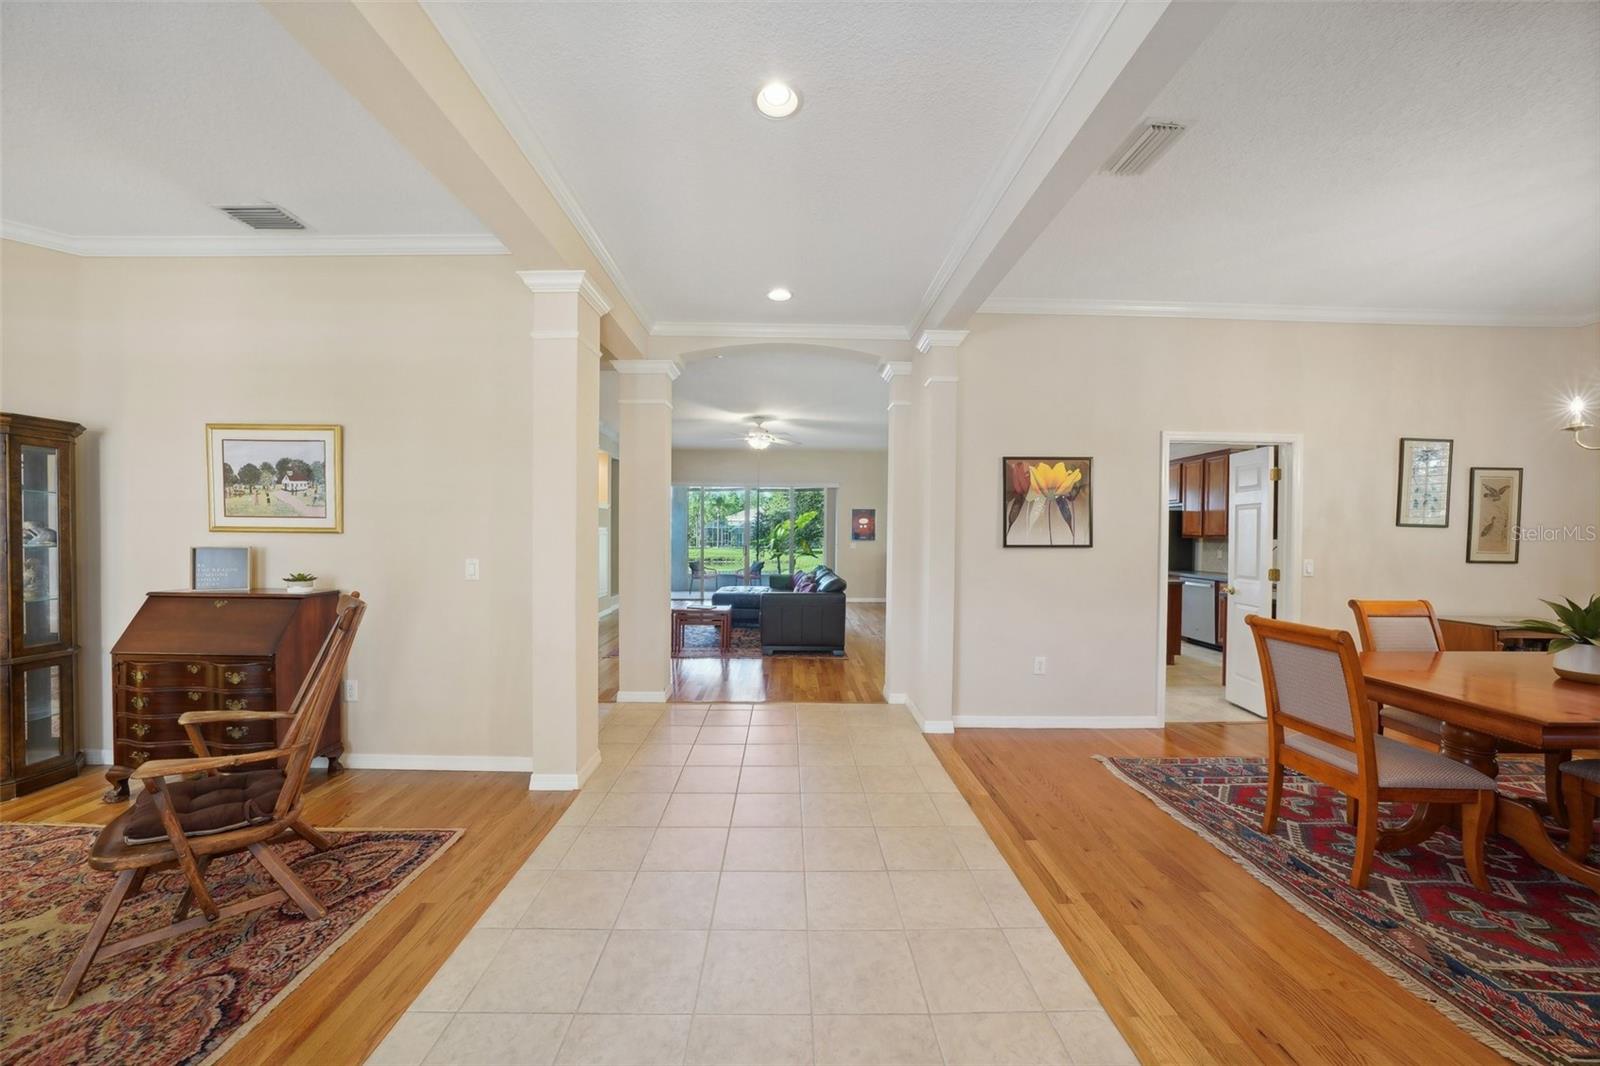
x: 805, y: 583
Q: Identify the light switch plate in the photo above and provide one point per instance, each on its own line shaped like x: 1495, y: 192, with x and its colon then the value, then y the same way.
x: 472, y: 569
x: 1308, y: 568
x: 352, y: 692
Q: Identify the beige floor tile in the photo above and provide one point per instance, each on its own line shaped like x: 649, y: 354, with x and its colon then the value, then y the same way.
x: 954, y: 811
x: 412, y: 1037
x: 863, y: 973
x: 694, y: 714
x: 720, y: 718
x: 661, y: 754
x: 970, y: 970
x: 663, y: 899
x: 749, y: 1040
x: 690, y: 809
x: 999, y: 1040
x: 920, y: 849
x: 625, y: 1040
x: 1092, y: 1039
x: 1056, y: 981
x: 890, y: 779
x: 617, y: 754
x: 755, y: 973
x: 1008, y: 899
x: 934, y: 779
x: 641, y: 809
x: 764, y: 849
x: 825, y: 753
x: 578, y: 899
x: 850, y: 901
x: 500, y: 1040
x: 876, y: 1040
x: 766, y: 809
x: 647, y: 779
x: 603, y: 848
x: 448, y: 988
x: 623, y: 734
x: 771, y: 754
x: 722, y: 734
x: 761, y: 901
x: 716, y: 755
x: 977, y: 849
x: 646, y: 971
x: 513, y: 899
x: 773, y: 716
x: 772, y: 734
x: 842, y: 849
x: 879, y: 753
x: 600, y: 782
x: 709, y: 779
x: 829, y: 779
x: 686, y: 849
x: 553, y: 848
x: 940, y: 899
x: 823, y: 733
x: 892, y: 810
x: 581, y: 809
x: 673, y: 734
x: 769, y: 778
x: 537, y: 971
x: 833, y: 810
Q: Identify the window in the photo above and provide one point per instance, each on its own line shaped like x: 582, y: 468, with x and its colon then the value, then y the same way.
x: 721, y: 534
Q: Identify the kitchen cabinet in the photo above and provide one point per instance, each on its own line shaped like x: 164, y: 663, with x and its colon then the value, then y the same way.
x: 1191, y: 475
x: 1214, y: 516
x: 1199, y: 485
x: 1174, y: 484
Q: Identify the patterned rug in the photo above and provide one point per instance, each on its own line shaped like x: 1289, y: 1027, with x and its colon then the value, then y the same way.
x: 1518, y: 968
x: 188, y: 999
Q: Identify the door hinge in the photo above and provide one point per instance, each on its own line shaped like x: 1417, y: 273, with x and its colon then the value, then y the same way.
x: 1274, y: 574
x: 1275, y: 474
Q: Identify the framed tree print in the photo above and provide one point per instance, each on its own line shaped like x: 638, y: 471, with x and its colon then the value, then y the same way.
x: 1423, y: 495
x: 275, y: 478
x: 1494, y: 514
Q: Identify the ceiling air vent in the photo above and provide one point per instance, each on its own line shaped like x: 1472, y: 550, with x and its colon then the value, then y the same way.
x: 1143, y: 147
x: 263, y: 216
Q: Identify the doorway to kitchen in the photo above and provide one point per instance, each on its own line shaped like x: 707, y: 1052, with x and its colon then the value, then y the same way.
x: 1229, y: 547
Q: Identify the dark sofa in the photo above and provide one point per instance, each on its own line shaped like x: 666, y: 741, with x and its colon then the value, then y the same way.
x: 745, y: 601
x: 803, y: 621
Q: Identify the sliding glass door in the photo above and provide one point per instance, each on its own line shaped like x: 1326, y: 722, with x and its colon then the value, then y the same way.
x: 742, y: 536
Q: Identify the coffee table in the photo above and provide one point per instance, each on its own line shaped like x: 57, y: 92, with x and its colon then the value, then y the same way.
x: 698, y: 614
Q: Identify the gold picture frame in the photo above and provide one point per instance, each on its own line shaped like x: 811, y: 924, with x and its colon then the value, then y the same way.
x: 275, y: 477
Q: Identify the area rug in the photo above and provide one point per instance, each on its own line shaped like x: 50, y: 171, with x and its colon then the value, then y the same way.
x: 188, y: 999
x: 1518, y: 967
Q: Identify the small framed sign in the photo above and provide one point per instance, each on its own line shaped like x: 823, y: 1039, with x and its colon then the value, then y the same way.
x: 213, y: 569
x: 864, y: 523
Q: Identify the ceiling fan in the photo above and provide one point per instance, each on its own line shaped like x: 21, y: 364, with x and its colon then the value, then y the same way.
x: 760, y: 437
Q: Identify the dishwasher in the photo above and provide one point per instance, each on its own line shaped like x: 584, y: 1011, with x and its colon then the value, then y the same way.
x: 1200, y: 611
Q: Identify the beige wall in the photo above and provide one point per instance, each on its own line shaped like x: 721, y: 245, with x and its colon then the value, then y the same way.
x: 862, y: 479
x: 424, y: 361
x: 1108, y: 387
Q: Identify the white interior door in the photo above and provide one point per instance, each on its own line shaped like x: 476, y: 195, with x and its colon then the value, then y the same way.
x: 1251, y: 551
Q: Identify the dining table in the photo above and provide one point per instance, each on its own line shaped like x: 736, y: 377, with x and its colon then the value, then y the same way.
x: 1487, y: 702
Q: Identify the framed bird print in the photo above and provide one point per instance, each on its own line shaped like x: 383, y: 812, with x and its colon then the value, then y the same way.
x: 1494, y: 514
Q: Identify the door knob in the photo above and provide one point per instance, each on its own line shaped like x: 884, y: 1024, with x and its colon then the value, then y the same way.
x: 1230, y: 590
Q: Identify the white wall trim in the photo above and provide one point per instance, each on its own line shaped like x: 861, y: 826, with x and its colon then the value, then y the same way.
x: 563, y: 281
x: 999, y: 305
x: 298, y: 244
x: 940, y: 338
x: 564, y: 782
x: 613, y: 609
x: 868, y: 599
x: 945, y: 379
x: 645, y: 403
x: 899, y: 699
x: 1057, y: 721
x: 669, y: 367
x: 897, y: 403
x: 97, y: 756
x: 499, y: 763
x: 893, y: 369
x: 837, y: 331
x: 641, y: 696
x: 905, y: 700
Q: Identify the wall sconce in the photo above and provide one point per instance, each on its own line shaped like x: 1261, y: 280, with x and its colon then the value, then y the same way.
x: 1577, y: 426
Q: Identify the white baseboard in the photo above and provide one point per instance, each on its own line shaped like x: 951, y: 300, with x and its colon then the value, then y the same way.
x: 899, y: 699
x: 867, y: 599
x: 942, y: 725
x: 657, y: 696
x: 613, y: 609
x: 564, y: 782
x: 1060, y: 721
x: 97, y: 756
x: 499, y: 763
x: 945, y: 726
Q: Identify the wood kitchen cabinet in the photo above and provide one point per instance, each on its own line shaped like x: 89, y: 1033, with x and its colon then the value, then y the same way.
x: 1214, y: 516
x: 1200, y: 485
x: 1174, y: 484
x: 1192, y: 474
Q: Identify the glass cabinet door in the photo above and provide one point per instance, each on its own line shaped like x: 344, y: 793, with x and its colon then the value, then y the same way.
x: 41, y: 546
x: 44, y: 699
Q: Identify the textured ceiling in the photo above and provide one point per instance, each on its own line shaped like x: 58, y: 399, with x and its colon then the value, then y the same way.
x: 122, y: 119
x: 646, y: 111
x: 816, y: 398
x: 1383, y: 156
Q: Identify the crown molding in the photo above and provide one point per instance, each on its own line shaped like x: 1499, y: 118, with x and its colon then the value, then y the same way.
x: 447, y: 19
x: 307, y: 244
x: 783, y: 330
x: 890, y: 371
x: 997, y: 305
x: 669, y: 367
x: 940, y: 338
x: 559, y: 281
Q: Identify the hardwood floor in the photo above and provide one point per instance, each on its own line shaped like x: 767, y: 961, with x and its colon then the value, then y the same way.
x: 1195, y: 960
x: 343, y: 1009
x: 857, y: 678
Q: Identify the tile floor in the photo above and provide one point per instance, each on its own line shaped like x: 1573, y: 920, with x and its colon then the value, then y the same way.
x: 1194, y: 689
x: 764, y: 884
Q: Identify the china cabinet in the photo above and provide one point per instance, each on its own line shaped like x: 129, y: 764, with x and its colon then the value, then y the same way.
x: 38, y: 633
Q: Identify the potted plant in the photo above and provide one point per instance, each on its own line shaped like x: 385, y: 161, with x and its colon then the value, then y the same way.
x: 298, y: 582
x: 1577, y: 638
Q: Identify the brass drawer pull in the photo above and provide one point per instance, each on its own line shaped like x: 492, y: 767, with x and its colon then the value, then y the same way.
x: 140, y: 677
x: 137, y: 757
x: 219, y: 603
x: 233, y: 677
x: 139, y: 729
x: 193, y: 696
x: 234, y: 705
x: 237, y: 732
x: 139, y: 702
x: 194, y: 668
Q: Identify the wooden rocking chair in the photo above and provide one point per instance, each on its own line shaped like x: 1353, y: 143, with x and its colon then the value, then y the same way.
x: 188, y: 823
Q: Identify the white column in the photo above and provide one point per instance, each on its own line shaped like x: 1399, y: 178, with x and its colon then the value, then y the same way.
x: 645, y: 529
x: 935, y: 370
x: 567, y: 309
x: 902, y: 531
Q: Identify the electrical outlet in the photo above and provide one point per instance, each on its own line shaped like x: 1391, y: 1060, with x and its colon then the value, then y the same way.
x: 472, y: 569
x: 352, y: 692
x: 1309, y: 568
x: 1039, y: 664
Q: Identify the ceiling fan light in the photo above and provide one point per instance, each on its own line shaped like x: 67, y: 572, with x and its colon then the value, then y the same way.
x: 759, y: 441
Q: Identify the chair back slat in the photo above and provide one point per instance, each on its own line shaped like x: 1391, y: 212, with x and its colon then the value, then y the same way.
x: 1314, y: 686
x: 315, y: 699
x: 1397, y: 625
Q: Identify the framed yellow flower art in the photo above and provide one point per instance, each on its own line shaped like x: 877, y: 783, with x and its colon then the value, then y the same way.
x: 1046, y: 503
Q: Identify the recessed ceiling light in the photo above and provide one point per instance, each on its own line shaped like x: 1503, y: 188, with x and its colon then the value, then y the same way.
x: 777, y: 100
x: 780, y: 294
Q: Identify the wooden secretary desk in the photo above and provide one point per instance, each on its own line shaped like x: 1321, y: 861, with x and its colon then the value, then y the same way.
x: 215, y: 651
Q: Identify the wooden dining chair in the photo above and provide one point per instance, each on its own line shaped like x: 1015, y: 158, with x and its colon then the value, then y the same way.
x: 1411, y: 625
x: 189, y: 823
x: 1320, y: 722
x: 1580, y: 784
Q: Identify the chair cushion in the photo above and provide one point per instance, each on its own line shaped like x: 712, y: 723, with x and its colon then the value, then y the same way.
x: 1399, y: 765
x: 207, y: 805
x: 1587, y: 769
